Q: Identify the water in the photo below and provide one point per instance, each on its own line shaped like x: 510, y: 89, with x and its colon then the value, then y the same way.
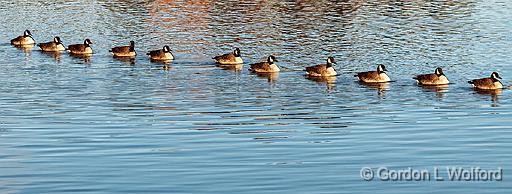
x: 102, y: 125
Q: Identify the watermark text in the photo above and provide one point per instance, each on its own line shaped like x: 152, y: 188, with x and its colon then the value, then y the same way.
x: 452, y: 173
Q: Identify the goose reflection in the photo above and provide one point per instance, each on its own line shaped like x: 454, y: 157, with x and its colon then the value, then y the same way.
x: 233, y: 67
x: 438, y: 89
x: 381, y: 87
x: 162, y: 62
x: 328, y: 81
x: 85, y: 57
x: 166, y: 67
x: 271, y: 77
x: 435, y: 88
x: 493, y: 93
x: 55, y: 55
x: 25, y: 48
x: 129, y: 60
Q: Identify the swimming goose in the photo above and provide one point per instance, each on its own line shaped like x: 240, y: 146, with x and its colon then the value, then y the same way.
x: 25, y: 39
x: 230, y: 58
x: 265, y: 67
x: 53, y: 46
x: 488, y: 83
x: 80, y: 49
x: 162, y: 54
x: 378, y: 76
x: 124, y: 51
x: 322, y: 69
x: 436, y: 78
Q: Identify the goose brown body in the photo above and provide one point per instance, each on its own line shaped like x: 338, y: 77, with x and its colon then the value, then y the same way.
x: 436, y: 78
x: 53, y: 46
x: 322, y: 70
x: 162, y: 54
x: 488, y: 83
x: 229, y: 58
x: 80, y: 49
x: 265, y: 67
x: 378, y: 76
x: 25, y: 39
x: 124, y: 51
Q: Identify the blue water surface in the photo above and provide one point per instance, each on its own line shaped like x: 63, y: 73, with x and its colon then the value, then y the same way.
x: 103, y: 125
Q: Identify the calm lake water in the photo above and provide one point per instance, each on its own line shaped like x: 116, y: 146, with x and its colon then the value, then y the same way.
x: 102, y: 125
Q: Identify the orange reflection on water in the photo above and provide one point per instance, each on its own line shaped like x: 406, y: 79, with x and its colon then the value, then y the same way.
x: 177, y: 14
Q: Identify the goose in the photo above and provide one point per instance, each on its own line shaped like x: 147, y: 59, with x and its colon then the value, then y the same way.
x: 230, y: 58
x: 436, y: 78
x: 162, y: 54
x: 25, y: 39
x: 378, y: 76
x: 124, y: 51
x: 488, y: 83
x: 322, y: 70
x: 80, y: 49
x: 53, y: 46
x: 265, y: 67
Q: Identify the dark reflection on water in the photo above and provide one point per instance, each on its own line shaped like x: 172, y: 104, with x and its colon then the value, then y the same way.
x: 270, y: 77
x: 86, y: 58
x: 100, y: 124
x: 493, y: 94
x: 55, y: 55
x: 329, y: 82
x: 25, y: 48
x: 235, y: 67
x: 128, y: 60
x: 440, y: 90
x: 379, y: 87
